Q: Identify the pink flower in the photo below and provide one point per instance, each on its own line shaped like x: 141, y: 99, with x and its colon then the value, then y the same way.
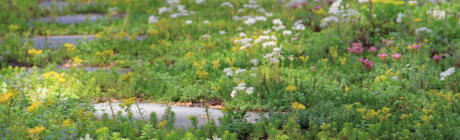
x: 437, y: 58
x: 304, y: 3
x: 372, y: 49
x: 382, y: 56
x: 356, y: 48
x: 317, y: 7
x: 294, y: 5
x: 367, y: 63
x: 415, y: 46
x: 396, y: 56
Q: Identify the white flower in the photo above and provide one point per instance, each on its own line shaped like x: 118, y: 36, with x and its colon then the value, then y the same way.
x: 400, y: 17
x: 227, y: 4
x: 363, y: 1
x: 240, y: 87
x: 153, y: 19
x: 330, y: 19
x: 253, y: 74
x: 228, y: 71
x: 267, y: 31
x: 206, y: 36
x: 240, y: 71
x: 242, y: 34
x: 298, y: 26
x: 188, y: 22
x: 261, y: 18
x: 334, y: 9
x: 291, y: 57
x: 287, y: 32
x: 250, y: 21
x: 164, y: 9
x: 173, y: 2
x: 436, y: 13
x: 268, y: 44
x: 199, y: 1
x: 269, y: 14
x: 233, y: 94
x: 423, y: 29
x: 279, y: 27
x: 222, y: 32
x: 173, y: 15
x: 250, y: 90
x: 412, y: 2
x: 87, y: 137
x: 446, y: 73
x: 206, y: 22
x: 277, y: 21
x: 254, y: 62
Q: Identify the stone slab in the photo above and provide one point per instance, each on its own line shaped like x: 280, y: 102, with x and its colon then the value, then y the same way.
x: 58, y: 41
x: 182, y: 113
x: 72, y: 19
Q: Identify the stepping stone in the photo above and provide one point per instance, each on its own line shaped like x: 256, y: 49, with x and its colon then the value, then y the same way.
x: 181, y: 118
x: 72, y: 19
x: 59, y: 41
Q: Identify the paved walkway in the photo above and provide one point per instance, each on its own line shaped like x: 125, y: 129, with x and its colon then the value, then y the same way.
x: 181, y: 113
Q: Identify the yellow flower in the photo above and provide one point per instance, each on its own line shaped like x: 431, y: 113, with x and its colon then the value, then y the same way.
x: 297, y: 106
x: 34, y: 51
x: 347, y: 89
x: 125, y: 76
x: 202, y: 74
x: 105, y: 53
x: 361, y: 110
x: 348, y: 107
x: 77, y: 61
x: 34, y: 106
x: 70, y: 47
x: 67, y: 123
x: 380, y: 78
x: 55, y: 76
x: 291, y: 88
x: 426, y: 118
x: 5, y: 97
x: 357, y: 103
x: 128, y: 101
x: 161, y: 124
x: 417, y: 19
x: 189, y: 54
x: 404, y: 116
x: 333, y: 52
x: 343, y: 60
x: 36, y: 130
x: 13, y: 27
x: 215, y: 64
x: 385, y: 110
x: 426, y: 111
